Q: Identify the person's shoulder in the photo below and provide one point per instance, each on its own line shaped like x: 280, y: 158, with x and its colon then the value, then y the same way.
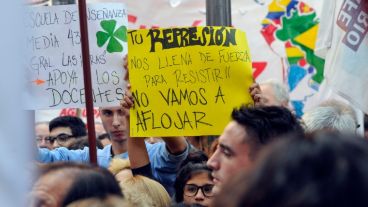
x: 106, y: 151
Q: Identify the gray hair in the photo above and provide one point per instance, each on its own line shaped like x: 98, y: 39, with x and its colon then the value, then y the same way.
x: 331, y: 115
x: 280, y: 90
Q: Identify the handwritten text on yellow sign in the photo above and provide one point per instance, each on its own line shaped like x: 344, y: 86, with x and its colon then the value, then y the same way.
x: 186, y: 81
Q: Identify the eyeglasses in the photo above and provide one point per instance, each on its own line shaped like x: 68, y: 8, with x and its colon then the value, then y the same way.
x: 192, y: 190
x: 61, y: 138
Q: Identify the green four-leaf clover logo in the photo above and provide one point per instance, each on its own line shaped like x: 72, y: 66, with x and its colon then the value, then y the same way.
x: 111, y: 35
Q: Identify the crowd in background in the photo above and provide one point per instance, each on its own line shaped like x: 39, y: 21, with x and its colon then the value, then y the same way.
x: 266, y: 156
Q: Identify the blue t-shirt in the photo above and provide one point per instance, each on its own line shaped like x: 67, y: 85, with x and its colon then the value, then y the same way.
x: 164, y: 165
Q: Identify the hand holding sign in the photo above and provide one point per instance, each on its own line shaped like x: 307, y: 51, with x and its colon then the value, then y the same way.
x: 256, y: 93
x: 186, y: 81
x: 128, y: 100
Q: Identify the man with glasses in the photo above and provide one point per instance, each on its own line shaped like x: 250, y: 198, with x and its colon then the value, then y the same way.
x: 165, y: 157
x: 64, y: 130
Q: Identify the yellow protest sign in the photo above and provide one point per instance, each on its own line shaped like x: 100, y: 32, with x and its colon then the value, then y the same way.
x: 186, y: 81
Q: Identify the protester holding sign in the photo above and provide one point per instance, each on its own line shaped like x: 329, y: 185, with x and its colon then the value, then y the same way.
x: 55, y: 80
x: 164, y: 156
x: 193, y: 184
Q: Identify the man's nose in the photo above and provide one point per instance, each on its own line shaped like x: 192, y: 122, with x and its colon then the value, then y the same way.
x: 43, y: 142
x: 213, y: 162
x: 116, y: 121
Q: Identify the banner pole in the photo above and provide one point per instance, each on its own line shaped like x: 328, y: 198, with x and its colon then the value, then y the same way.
x: 87, y: 81
x: 218, y: 13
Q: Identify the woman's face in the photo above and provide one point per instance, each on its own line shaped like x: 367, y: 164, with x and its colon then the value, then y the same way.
x: 198, y: 190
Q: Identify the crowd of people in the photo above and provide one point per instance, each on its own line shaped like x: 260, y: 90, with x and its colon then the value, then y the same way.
x: 266, y: 156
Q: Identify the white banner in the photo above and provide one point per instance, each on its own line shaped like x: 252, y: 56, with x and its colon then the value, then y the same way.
x: 54, y: 68
x: 260, y: 19
x: 343, y: 42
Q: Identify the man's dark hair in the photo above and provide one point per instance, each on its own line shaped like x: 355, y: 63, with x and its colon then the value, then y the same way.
x: 265, y: 124
x: 76, y: 125
x: 365, y: 122
x: 325, y: 169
